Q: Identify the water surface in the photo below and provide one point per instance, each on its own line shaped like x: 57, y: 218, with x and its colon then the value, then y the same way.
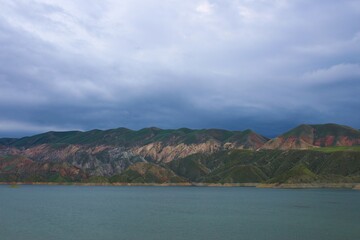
x: 159, y: 213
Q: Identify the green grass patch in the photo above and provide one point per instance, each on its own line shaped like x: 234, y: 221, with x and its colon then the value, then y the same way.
x: 337, y: 149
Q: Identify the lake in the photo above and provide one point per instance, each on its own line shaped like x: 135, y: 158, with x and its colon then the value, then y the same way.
x: 36, y: 212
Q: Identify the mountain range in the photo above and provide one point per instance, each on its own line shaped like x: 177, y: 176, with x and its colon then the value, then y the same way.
x: 320, y: 153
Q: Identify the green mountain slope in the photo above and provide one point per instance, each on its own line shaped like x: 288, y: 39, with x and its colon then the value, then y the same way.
x: 147, y: 173
x: 295, y: 166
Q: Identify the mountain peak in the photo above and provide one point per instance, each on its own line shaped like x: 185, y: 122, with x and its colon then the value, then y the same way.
x: 315, y: 135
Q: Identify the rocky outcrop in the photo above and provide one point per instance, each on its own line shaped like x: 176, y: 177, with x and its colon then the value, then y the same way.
x: 165, y: 152
x: 94, y: 160
x: 159, y: 152
x: 336, y: 141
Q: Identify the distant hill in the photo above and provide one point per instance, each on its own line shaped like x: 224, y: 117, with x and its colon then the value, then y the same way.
x: 319, y: 135
x: 305, y: 154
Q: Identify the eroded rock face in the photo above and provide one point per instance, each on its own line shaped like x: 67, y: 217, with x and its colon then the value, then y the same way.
x: 159, y: 152
x: 45, y: 152
x: 284, y: 143
x: 73, y: 160
x: 4, y: 150
x: 94, y: 160
x: 165, y: 152
x: 336, y: 141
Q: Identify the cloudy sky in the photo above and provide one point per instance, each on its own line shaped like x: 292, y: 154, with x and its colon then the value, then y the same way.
x: 233, y: 64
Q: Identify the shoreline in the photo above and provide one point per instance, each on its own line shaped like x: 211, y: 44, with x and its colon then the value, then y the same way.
x: 355, y: 186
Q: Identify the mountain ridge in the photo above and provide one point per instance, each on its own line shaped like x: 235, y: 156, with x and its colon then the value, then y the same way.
x: 127, y: 136
x: 302, y: 136
x: 184, y: 155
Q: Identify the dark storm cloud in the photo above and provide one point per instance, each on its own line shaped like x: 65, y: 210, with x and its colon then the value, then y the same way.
x: 234, y: 64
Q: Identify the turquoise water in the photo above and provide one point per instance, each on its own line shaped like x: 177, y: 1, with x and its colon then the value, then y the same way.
x: 104, y: 213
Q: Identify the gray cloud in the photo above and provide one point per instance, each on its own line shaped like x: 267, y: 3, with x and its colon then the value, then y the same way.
x: 235, y: 64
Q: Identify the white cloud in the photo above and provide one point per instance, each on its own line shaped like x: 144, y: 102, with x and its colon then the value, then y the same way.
x: 205, y: 8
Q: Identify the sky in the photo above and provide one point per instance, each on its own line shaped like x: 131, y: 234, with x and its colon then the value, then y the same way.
x: 231, y: 64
